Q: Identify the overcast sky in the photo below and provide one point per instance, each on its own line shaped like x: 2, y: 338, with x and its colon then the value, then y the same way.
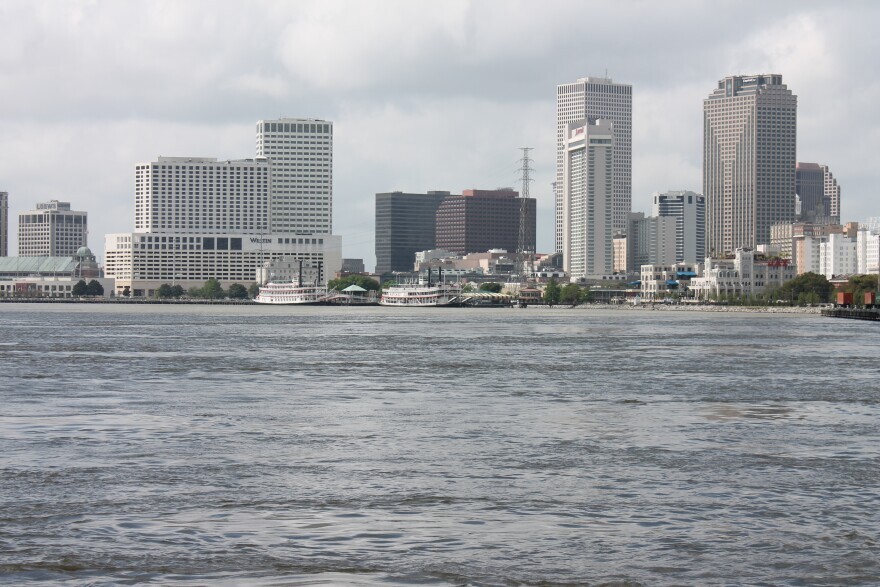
x: 423, y: 95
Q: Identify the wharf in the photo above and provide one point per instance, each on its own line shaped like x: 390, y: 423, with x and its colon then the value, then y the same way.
x: 853, y: 313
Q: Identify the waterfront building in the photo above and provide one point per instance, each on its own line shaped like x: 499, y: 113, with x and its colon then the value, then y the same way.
x: 301, y: 152
x: 4, y: 224
x: 588, y: 99
x: 588, y: 199
x: 689, y: 210
x: 479, y: 220
x: 652, y: 240
x: 742, y: 274
x: 657, y: 281
x: 52, y: 229
x: 405, y: 223
x: 197, y: 218
x: 749, y: 157
x: 50, y: 277
x: 492, y: 262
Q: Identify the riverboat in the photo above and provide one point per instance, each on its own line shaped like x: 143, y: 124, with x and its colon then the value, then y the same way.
x: 291, y: 293
x: 424, y: 294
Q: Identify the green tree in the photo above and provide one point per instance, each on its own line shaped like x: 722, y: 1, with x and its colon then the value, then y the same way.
x: 253, y: 290
x: 94, y: 288
x: 212, y: 290
x: 388, y: 283
x: 363, y: 281
x: 570, y: 294
x: 177, y: 291
x: 237, y: 292
x: 80, y: 289
x: 164, y: 291
x: 491, y: 287
x: 552, y: 291
x: 808, y: 288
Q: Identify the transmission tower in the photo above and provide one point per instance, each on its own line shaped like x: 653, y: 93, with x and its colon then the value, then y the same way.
x: 525, y: 248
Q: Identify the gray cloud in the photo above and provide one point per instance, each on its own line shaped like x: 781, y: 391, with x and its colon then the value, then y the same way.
x: 424, y: 95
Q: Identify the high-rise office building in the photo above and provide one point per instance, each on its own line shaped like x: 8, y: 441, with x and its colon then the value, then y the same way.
x: 587, y: 199
x: 479, y: 220
x: 591, y: 98
x: 52, y: 230
x: 810, y: 189
x: 4, y: 224
x: 689, y: 211
x: 301, y: 152
x: 405, y: 224
x: 749, y: 156
x: 831, y: 195
x: 651, y: 240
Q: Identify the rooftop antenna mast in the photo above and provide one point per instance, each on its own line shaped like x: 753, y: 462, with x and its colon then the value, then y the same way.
x: 525, y: 247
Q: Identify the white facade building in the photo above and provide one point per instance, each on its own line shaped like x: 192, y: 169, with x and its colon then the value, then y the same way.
x: 588, y: 199
x: 689, y: 210
x: 741, y: 276
x: 141, y: 261
x: 867, y: 251
x: 199, y: 218
x: 301, y: 152
x: 592, y: 98
x: 197, y: 195
x: 652, y: 240
x: 52, y: 230
x: 837, y: 256
x: 659, y: 280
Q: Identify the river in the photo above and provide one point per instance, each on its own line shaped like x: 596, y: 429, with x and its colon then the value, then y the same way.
x: 229, y: 445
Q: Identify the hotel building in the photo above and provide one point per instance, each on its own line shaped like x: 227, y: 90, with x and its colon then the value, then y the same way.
x: 591, y: 98
x: 199, y: 218
x: 301, y: 151
x: 52, y: 230
x: 588, y: 200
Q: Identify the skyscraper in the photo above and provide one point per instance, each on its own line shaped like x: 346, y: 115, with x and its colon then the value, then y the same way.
x: 479, y: 220
x: 301, y: 152
x: 590, y: 98
x: 405, y: 224
x: 810, y: 188
x: 749, y: 156
x: 689, y: 211
x: 831, y: 195
x: 4, y: 224
x: 587, y: 199
x: 52, y: 230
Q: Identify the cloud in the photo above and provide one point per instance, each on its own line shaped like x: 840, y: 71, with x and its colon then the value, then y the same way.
x: 423, y: 95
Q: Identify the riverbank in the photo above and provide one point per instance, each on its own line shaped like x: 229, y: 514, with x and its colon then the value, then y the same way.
x: 125, y: 301
x: 694, y: 308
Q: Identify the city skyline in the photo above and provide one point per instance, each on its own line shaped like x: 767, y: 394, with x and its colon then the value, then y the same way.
x: 179, y: 84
